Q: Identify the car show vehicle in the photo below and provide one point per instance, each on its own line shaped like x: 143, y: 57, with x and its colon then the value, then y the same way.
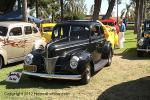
x: 110, y: 34
x: 112, y: 23
x: 143, y: 45
x: 78, y: 49
x: 46, y: 31
x: 16, y: 40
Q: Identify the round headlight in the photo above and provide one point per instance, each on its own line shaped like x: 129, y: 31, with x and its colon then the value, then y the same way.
x: 141, y: 42
x: 28, y: 59
x: 74, y: 62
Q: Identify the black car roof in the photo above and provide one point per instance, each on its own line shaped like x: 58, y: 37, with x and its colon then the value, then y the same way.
x: 79, y: 22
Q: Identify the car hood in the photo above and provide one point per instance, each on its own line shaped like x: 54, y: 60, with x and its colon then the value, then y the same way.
x: 65, y: 46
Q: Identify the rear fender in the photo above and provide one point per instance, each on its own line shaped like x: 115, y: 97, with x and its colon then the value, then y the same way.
x: 106, y: 50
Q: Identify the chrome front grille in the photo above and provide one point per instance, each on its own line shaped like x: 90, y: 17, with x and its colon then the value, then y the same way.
x: 50, y: 64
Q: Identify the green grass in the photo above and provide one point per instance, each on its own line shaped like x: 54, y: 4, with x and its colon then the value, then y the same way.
x: 130, y: 41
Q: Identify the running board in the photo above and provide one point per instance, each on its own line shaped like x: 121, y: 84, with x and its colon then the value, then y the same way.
x: 100, y: 64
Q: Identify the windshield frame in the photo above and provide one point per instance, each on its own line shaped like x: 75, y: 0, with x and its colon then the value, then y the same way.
x: 69, y: 31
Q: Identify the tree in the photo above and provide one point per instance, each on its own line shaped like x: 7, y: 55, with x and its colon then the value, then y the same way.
x: 24, y: 10
x: 97, y: 6
x: 74, y: 9
x: 110, y: 9
x: 147, y: 9
x: 139, y: 12
x: 62, y: 11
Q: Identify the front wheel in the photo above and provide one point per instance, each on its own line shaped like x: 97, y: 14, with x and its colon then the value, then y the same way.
x: 109, y: 59
x: 1, y: 62
x: 87, y: 75
x: 139, y: 53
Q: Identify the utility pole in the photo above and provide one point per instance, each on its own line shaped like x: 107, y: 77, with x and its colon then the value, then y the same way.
x: 117, y: 11
x: 62, y: 11
x: 24, y: 10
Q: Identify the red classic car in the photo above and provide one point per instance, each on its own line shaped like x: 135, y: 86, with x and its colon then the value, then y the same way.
x: 111, y: 22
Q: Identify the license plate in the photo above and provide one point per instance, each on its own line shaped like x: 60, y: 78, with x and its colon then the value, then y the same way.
x: 14, y: 77
x: 30, y: 68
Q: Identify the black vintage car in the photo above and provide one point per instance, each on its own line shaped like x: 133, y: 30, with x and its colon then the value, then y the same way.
x: 143, y: 45
x: 77, y: 50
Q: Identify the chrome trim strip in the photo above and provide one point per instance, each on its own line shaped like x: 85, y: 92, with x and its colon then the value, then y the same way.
x: 147, y: 50
x: 56, y: 76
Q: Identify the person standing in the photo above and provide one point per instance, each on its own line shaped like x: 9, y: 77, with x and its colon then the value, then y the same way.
x: 122, y: 34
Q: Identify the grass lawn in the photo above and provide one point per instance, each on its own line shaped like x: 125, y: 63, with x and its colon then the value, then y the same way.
x: 123, y: 79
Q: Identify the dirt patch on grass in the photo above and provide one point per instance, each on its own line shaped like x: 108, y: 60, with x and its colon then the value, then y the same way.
x: 128, y: 78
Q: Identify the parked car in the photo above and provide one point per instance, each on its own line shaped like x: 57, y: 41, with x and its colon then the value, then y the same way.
x: 46, y: 31
x: 78, y: 49
x: 112, y: 23
x: 143, y: 45
x: 110, y: 34
x: 16, y: 40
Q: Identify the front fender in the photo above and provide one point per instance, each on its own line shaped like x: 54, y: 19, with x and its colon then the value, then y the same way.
x: 84, y: 58
x: 107, y: 48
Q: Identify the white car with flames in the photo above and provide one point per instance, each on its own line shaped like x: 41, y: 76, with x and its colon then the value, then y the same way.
x: 16, y: 40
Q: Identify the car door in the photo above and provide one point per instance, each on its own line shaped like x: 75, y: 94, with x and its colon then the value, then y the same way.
x: 31, y: 35
x: 14, y: 44
x: 97, y: 42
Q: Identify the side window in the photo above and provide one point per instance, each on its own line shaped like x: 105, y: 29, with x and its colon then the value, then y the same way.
x: 80, y: 31
x: 95, y: 31
x: 27, y: 30
x: 101, y: 30
x: 16, y: 31
x: 35, y: 30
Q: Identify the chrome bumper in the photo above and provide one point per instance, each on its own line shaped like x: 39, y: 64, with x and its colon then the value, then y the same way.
x: 56, y: 76
x: 146, y: 50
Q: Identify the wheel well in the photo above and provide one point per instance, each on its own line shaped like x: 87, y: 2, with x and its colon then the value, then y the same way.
x: 2, y: 59
x: 92, y: 67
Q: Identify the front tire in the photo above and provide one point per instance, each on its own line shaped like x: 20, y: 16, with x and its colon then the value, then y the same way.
x: 109, y: 58
x: 139, y: 53
x: 1, y: 62
x: 87, y: 75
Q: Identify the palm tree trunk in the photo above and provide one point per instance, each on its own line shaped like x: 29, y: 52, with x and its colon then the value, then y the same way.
x: 136, y: 17
x: 36, y: 7
x: 24, y: 10
x: 97, y: 6
x: 62, y: 11
x: 139, y: 12
x: 110, y: 9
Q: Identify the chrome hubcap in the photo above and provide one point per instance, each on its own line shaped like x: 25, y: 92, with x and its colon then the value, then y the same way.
x: 88, y: 73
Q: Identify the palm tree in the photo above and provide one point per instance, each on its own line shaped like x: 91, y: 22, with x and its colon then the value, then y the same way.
x: 110, y: 8
x: 97, y: 6
x: 74, y: 9
x: 62, y: 11
x: 24, y: 6
x: 139, y: 12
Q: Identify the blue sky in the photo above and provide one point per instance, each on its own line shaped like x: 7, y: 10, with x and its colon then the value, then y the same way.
x: 104, y: 6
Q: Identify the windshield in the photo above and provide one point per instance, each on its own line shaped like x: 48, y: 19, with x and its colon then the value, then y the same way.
x: 3, y: 31
x: 108, y: 23
x: 74, y: 31
x: 147, y: 26
x: 47, y: 29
